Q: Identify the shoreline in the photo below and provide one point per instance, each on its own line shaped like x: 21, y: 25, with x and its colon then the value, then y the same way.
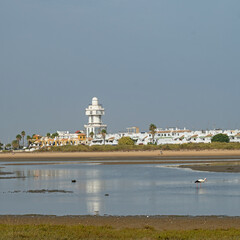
x: 119, y: 222
x: 155, y: 154
x: 205, y: 160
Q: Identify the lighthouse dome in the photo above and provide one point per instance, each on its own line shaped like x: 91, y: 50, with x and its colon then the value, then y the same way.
x: 95, y: 101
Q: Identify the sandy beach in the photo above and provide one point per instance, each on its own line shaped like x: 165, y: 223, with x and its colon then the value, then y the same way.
x: 123, y: 155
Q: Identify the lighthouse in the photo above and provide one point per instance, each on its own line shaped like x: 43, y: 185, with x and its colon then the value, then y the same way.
x: 95, y: 111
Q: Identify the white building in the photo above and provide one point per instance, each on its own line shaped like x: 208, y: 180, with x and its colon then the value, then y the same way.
x: 168, y: 136
x: 67, y: 135
x: 95, y: 111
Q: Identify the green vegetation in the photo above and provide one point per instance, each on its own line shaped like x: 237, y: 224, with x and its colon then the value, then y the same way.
x: 15, y: 144
x: 54, y: 135
x: 48, y: 231
x: 170, y: 147
x: 8, y: 146
x: 29, y: 138
x: 103, y: 133
x: 91, y: 134
x: 152, y: 129
x: 18, y: 137
x: 125, y: 141
x: 220, y: 138
x: 23, y: 135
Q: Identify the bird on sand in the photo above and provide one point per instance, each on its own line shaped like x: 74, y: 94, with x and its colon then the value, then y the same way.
x: 200, y: 181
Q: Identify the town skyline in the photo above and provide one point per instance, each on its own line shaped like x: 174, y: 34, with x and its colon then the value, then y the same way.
x: 171, y: 63
x: 145, y: 129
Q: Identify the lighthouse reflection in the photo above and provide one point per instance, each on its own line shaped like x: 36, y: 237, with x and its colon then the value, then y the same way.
x: 89, y: 184
x: 92, y: 187
x: 140, y: 189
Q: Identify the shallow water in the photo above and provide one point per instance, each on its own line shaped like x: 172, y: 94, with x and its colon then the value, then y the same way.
x: 137, y: 189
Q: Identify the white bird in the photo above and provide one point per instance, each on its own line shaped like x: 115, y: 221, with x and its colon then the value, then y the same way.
x: 200, y: 181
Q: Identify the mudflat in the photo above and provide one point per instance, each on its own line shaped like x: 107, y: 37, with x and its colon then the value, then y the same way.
x: 205, y: 160
x: 227, y: 166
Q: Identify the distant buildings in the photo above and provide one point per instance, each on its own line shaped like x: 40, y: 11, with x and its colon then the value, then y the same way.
x: 63, y: 138
x: 169, y: 136
x: 93, y: 136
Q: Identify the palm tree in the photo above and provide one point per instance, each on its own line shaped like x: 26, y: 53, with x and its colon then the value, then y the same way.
x: 152, y: 129
x: 91, y: 134
x: 48, y: 135
x: 28, y: 139
x: 23, y: 135
x: 18, y: 137
x: 103, y: 133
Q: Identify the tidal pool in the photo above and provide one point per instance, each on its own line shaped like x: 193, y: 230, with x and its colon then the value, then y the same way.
x: 131, y: 189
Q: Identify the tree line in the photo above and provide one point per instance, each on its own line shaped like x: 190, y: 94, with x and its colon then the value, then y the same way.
x: 20, y: 143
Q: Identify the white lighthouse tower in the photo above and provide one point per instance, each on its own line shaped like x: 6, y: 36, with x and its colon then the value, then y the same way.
x: 95, y: 111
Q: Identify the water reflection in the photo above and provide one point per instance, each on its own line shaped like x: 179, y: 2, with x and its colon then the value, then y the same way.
x: 200, y: 190
x: 94, y: 206
x: 20, y: 174
x: 118, y: 190
x: 46, y: 174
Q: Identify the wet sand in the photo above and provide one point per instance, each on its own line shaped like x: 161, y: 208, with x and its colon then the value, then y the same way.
x: 206, y: 160
x: 231, y: 167
x: 157, y: 222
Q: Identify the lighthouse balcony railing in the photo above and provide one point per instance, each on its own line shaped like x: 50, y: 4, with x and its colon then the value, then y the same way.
x: 95, y: 113
x: 96, y: 123
x: 100, y: 105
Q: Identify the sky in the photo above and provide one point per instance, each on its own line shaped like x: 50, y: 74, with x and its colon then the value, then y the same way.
x: 171, y: 63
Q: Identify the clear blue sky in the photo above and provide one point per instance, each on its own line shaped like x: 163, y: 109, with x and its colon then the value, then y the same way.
x: 171, y: 63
